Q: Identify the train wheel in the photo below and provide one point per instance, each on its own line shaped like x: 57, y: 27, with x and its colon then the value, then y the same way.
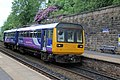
x: 44, y: 56
x: 13, y: 48
x: 21, y: 50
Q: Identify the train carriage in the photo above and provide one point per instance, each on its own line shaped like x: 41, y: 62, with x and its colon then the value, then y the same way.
x: 60, y: 42
x: 10, y: 38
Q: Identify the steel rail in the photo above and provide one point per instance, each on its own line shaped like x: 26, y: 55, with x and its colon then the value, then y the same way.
x: 96, y: 73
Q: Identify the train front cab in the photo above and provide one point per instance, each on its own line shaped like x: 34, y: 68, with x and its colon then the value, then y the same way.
x: 68, y: 42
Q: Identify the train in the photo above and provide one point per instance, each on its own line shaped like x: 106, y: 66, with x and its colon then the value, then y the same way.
x: 61, y: 42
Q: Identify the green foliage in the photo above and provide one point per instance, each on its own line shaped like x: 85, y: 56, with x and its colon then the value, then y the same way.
x: 116, y: 2
x: 77, y: 6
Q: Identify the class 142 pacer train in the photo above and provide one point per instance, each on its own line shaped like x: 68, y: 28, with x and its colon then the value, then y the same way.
x: 59, y: 42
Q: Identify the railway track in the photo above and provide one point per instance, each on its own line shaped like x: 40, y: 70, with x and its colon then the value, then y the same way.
x: 39, y: 68
x: 91, y: 73
x: 84, y: 73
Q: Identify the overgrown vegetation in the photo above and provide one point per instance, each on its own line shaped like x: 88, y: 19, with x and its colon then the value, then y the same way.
x: 24, y: 11
x: 78, y: 6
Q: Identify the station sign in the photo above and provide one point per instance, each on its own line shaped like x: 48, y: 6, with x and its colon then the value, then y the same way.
x: 118, y: 39
x: 105, y: 30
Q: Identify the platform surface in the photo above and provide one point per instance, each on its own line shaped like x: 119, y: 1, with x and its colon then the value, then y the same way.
x: 4, y: 75
x: 10, y: 69
x: 115, y: 58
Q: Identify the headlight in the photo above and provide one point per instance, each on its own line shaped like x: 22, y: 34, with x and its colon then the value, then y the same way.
x: 80, y: 46
x: 59, y: 45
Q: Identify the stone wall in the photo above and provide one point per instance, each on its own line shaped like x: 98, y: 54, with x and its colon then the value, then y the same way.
x: 101, y: 26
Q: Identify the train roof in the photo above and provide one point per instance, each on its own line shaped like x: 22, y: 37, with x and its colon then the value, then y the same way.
x: 11, y: 30
x: 31, y: 28
x: 46, y: 26
x: 49, y: 26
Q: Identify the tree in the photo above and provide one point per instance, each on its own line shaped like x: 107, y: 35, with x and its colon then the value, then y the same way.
x: 23, y: 12
x: 116, y: 2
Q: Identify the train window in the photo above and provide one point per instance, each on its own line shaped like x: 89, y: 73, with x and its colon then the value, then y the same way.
x: 70, y: 34
x: 6, y: 34
x: 22, y: 34
x: 31, y: 33
x: 27, y: 34
x: 39, y: 34
x: 10, y: 34
x: 50, y: 33
x: 79, y: 36
x: 13, y: 34
x: 34, y: 34
x: 61, y: 35
x: 19, y: 34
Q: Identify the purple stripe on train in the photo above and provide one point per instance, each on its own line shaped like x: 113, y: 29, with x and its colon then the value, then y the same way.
x: 31, y: 42
x: 11, y: 40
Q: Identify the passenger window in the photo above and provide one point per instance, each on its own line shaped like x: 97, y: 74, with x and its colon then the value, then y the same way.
x: 31, y: 33
x: 6, y: 34
x: 50, y: 33
x: 34, y: 34
x: 22, y: 34
x: 27, y: 34
x: 79, y: 36
x: 39, y: 34
x: 19, y: 34
x: 61, y: 35
x: 13, y: 34
x: 70, y: 36
x: 10, y: 34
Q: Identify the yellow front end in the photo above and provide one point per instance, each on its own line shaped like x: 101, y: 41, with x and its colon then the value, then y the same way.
x: 66, y: 48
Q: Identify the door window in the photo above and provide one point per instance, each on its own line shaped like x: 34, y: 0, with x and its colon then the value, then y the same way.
x: 61, y: 35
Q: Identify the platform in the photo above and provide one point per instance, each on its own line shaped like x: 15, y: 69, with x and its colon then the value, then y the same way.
x: 4, y: 75
x: 10, y: 69
x: 102, y: 56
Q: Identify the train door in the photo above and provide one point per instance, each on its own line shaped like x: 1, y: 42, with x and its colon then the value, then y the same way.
x: 44, y: 40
